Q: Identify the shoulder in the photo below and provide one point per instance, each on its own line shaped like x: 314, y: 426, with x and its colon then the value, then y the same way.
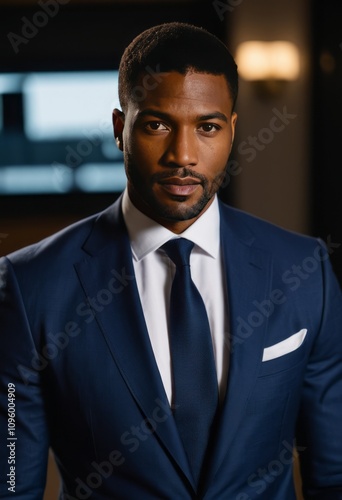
x: 68, y: 245
x: 276, y: 240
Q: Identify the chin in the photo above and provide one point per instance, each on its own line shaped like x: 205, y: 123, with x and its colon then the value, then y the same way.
x: 180, y: 210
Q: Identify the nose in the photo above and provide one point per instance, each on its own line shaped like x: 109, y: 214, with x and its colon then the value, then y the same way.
x: 181, y: 148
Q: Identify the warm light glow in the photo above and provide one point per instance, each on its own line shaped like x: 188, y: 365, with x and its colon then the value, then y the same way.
x: 268, y: 60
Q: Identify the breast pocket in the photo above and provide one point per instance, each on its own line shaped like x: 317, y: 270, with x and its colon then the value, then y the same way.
x: 285, y: 355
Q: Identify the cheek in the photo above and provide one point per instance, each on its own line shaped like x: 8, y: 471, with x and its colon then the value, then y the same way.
x: 218, y: 150
x: 143, y: 152
x: 217, y: 160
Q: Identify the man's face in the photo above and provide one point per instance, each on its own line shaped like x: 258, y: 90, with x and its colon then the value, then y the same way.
x: 176, y: 144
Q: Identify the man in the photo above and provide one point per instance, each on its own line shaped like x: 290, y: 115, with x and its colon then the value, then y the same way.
x: 92, y: 354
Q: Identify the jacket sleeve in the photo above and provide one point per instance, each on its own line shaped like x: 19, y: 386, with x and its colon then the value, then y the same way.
x: 320, y: 420
x: 23, y: 426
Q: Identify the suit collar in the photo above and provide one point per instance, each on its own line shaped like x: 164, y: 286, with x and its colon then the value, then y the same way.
x: 107, y: 228
x: 107, y: 266
x: 147, y: 235
x: 248, y: 274
x: 109, y: 225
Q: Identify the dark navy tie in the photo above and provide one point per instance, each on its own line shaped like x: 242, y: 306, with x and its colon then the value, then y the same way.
x: 195, y: 387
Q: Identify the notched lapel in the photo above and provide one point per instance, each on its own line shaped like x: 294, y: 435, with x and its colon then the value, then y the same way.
x: 248, y: 278
x: 108, y: 280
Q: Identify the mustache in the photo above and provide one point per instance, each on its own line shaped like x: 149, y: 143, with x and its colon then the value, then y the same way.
x: 181, y: 173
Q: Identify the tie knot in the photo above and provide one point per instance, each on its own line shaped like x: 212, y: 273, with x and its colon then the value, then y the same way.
x: 179, y: 251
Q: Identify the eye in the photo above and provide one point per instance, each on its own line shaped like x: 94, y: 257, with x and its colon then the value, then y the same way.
x: 209, y: 128
x: 155, y: 126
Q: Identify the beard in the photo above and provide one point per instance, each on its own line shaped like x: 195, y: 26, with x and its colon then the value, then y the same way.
x: 142, y: 189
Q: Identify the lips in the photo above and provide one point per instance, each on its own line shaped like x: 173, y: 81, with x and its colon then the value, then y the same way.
x: 180, y: 186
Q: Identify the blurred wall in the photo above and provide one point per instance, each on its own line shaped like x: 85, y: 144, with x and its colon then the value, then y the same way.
x: 274, y: 182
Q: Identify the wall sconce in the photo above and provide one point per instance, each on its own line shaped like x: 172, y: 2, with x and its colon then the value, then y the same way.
x: 269, y: 65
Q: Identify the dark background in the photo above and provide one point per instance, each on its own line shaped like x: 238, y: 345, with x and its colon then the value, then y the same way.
x: 326, y: 144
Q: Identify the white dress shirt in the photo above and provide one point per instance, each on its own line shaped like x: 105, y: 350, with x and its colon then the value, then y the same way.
x: 154, y: 272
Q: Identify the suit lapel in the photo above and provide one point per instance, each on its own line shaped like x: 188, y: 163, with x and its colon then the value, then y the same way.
x: 107, y: 271
x: 108, y: 266
x: 248, y: 278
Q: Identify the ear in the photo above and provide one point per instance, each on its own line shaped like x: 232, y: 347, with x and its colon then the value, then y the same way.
x: 118, y: 126
x: 233, y: 123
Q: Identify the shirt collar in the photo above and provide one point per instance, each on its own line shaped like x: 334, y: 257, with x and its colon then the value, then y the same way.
x: 146, y: 235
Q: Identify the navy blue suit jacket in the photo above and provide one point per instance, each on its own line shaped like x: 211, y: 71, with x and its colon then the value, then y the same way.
x: 76, y: 351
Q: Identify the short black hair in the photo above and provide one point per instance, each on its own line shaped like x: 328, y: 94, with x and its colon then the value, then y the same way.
x: 177, y: 47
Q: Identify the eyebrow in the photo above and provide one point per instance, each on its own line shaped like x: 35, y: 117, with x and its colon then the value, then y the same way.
x: 212, y: 116
x: 165, y: 116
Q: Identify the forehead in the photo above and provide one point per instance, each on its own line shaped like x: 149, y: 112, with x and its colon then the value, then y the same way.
x: 174, y: 92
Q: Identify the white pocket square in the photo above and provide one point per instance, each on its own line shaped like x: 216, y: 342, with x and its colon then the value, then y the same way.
x: 285, y: 346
